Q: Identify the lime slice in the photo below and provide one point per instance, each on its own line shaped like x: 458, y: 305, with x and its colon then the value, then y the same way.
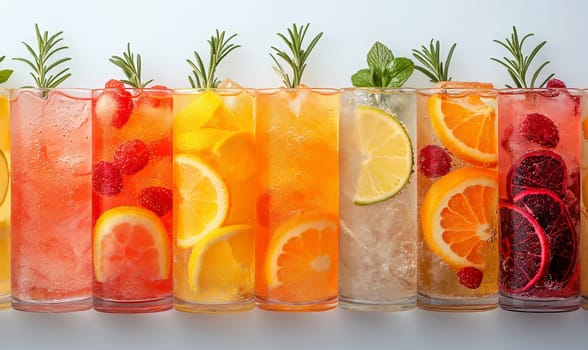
x: 4, y: 177
x: 387, y: 155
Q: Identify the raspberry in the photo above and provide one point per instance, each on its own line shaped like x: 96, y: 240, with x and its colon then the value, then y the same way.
x: 106, y: 179
x: 114, y: 84
x: 433, y: 161
x: 157, y: 199
x: 470, y: 277
x: 541, y: 130
x: 555, y: 84
x: 131, y: 157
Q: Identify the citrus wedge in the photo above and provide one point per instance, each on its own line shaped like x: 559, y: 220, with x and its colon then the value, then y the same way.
x: 198, y: 112
x: 236, y: 155
x: 466, y: 126
x: 458, y: 216
x: 202, y: 199
x: 4, y: 177
x: 303, y: 252
x: 223, y: 259
x: 130, y: 240
x: 198, y: 140
x: 387, y: 155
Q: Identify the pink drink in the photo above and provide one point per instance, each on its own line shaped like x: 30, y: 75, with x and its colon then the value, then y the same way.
x: 539, y: 192
x: 51, y: 200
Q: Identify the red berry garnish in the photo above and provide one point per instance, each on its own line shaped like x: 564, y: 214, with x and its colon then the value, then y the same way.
x: 157, y: 199
x: 106, y: 179
x: 555, y: 84
x: 131, y: 157
x: 114, y: 84
x: 433, y: 161
x: 541, y: 130
x: 114, y: 105
x: 470, y: 277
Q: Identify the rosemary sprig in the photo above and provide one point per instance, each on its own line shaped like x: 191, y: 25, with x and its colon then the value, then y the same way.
x: 432, y: 65
x: 518, y: 66
x: 41, y: 63
x: 299, y: 55
x: 4, y: 73
x: 219, y: 49
x: 131, y: 67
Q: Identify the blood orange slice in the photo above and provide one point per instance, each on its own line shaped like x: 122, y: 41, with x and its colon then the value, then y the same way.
x: 524, y: 250
x: 552, y: 215
x: 538, y: 169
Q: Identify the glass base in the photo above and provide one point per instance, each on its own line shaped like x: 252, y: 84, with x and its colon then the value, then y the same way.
x: 4, y: 301
x: 67, y: 305
x: 377, y: 305
x: 584, y: 302
x: 538, y: 304
x: 132, y: 307
x: 457, y: 304
x: 322, y: 305
x: 186, y: 306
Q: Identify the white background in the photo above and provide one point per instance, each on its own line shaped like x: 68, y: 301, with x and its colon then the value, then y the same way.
x: 167, y: 32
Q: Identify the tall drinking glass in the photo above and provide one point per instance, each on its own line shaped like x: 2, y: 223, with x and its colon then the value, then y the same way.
x: 377, y: 199
x: 539, y: 209
x: 457, y: 198
x: 51, y: 200
x: 132, y: 199
x: 214, y: 200
x: 297, y: 199
x: 4, y: 199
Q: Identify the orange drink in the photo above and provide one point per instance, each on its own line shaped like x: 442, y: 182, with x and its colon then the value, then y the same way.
x: 4, y: 200
x: 457, y: 197
x: 132, y: 199
x: 51, y: 200
x: 296, y: 222
x: 214, y: 200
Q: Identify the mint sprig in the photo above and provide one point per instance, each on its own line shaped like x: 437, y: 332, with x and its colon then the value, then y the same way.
x: 4, y: 73
x: 384, y: 70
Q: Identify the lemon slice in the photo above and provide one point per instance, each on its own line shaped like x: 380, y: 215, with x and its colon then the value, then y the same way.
x: 4, y: 177
x: 202, y: 199
x: 236, y: 155
x: 387, y: 155
x: 134, y: 236
x: 222, y: 259
x: 198, y: 112
x: 198, y: 140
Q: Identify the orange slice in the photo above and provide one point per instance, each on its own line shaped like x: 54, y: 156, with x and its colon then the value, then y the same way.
x: 466, y: 125
x: 585, y: 128
x: 130, y: 240
x: 458, y: 216
x: 303, y: 252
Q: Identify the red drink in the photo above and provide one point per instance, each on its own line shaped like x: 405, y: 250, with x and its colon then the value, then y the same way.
x: 539, y: 191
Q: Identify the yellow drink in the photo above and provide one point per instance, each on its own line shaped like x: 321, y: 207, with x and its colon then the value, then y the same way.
x: 214, y: 200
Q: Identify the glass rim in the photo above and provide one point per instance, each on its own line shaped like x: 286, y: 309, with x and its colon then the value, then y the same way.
x: 73, y: 93
x: 516, y: 91
x: 325, y: 90
x: 379, y: 89
x: 228, y: 91
x: 456, y: 91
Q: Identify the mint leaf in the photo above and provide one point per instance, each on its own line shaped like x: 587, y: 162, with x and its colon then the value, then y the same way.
x: 363, y: 78
x: 379, y: 56
x: 398, y: 71
x: 4, y: 75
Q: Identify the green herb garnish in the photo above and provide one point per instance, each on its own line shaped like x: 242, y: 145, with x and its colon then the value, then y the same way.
x: 519, y: 65
x: 219, y: 49
x: 131, y: 67
x: 432, y: 65
x: 384, y: 70
x: 4, y: 73
x: 299, y: 55
x: 41, y: 63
